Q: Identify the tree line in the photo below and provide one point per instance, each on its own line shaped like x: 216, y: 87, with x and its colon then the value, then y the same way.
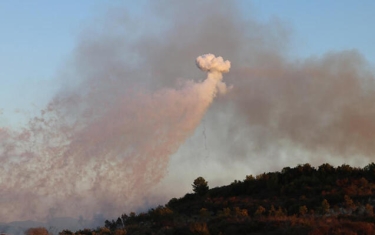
x: 296, y: 200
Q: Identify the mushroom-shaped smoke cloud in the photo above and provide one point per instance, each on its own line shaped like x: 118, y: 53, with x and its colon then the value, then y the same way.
x: 210, y: 63
x: 215, y: 66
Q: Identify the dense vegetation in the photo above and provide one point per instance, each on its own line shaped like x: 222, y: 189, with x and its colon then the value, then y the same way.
x: 299, y: 200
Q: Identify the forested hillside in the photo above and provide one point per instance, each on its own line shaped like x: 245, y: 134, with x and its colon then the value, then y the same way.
x: 299, y: 200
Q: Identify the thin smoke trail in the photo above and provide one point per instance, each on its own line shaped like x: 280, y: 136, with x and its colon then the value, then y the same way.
x: 205, y: 138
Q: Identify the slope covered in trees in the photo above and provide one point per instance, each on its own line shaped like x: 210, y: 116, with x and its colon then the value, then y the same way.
x: 299, y: 200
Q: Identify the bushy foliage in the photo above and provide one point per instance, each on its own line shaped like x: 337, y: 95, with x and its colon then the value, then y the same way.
x: 200, y: 186
x: 37, y: 231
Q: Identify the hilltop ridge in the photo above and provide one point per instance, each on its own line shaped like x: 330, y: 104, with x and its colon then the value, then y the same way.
x: 299, y: 200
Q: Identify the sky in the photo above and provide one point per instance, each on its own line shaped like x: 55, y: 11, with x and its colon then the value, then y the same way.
x: 39, y: 36
x: 37, y: 39
x: 102, y: 103
x: 322, y: 26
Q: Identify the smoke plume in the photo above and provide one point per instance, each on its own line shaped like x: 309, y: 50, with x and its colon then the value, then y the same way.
x: 124, y: 120
x: 99, y: 160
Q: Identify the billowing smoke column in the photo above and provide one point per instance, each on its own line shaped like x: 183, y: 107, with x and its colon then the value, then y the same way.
x: 105, y: 161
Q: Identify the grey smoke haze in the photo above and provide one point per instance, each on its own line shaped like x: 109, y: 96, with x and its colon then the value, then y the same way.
x: 131, y: 98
